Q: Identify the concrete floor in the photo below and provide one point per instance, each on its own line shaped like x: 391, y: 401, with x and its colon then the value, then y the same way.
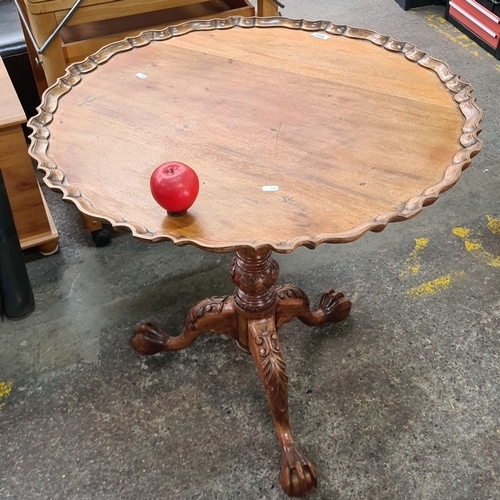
x: 401, y: 401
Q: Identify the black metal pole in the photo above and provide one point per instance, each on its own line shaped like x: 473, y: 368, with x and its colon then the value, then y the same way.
x: 16, y: 294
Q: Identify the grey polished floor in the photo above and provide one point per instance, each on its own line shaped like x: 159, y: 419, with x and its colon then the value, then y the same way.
x: 401, y: 401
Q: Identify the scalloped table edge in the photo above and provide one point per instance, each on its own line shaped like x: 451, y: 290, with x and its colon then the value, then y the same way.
x: 469, y: 140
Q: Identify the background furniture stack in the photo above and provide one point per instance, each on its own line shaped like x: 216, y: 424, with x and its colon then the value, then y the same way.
x: 96, y: 23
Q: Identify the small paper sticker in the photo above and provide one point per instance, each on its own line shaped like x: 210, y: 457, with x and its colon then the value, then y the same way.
x: 270, y: 188
x: 321, y: 36
x: 141, y: 75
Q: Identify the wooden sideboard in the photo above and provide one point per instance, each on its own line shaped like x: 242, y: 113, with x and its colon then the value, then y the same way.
x: 96, y: 23
x: 32, y: 218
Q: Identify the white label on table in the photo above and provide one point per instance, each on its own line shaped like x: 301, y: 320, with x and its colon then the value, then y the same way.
x: 321, y: 36
x: 141, y: 75
x: 270, y: 188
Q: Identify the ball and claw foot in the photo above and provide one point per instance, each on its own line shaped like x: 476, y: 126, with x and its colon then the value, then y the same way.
x: 333, y: 306
x: 149, y: 339
x: 297, y: 475
x: 294, y: 303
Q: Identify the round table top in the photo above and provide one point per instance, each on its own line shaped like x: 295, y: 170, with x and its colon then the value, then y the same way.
x: 350, y: 128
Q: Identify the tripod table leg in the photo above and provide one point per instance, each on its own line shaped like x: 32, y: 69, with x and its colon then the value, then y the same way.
x: 215, y: 315
x: 297, y: 474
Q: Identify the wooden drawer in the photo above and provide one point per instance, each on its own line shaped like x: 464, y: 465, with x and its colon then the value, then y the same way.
x: 81, y: 40
x: 477, y: 19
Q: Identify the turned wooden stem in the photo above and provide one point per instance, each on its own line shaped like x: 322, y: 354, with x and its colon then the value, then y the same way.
x: 254, y: 272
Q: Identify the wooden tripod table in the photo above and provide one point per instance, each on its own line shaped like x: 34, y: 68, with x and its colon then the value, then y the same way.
x: 301, y: 133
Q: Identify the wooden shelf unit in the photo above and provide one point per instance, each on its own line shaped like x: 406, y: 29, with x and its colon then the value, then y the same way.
x: 34, y: 224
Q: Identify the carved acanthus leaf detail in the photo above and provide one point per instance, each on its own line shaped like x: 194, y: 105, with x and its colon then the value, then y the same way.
x: 274, y: 370
x: 291, y: 292
x: 213, y: 305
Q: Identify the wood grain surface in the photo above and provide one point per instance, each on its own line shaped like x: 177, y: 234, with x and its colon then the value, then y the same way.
x: 355, y: 129
x: 12, y: 112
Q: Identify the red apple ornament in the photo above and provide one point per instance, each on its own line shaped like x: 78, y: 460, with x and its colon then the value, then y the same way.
x: 174, y: 186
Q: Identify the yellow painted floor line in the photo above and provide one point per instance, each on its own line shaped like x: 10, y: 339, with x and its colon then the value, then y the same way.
x: 412, y: 263
x: 493, y: 225
x: 443, y: 27
x: 5, y: 390
x: 435, y: 286
x: 475, y: 247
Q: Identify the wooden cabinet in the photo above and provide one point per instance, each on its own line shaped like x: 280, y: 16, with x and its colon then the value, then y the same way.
x: 96, y: 23
x: 34, y: 224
